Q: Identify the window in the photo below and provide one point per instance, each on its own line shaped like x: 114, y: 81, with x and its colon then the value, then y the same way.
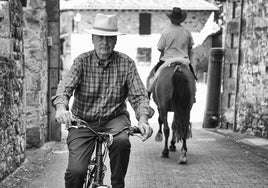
x: 144, y: 55
x: 23, y: 3
x: 145, y: 24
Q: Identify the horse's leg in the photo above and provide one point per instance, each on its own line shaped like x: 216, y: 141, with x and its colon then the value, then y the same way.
x: 183, y: 159
x: 187, y: 134
x: 172, y: 146
x: 159, y: 135
x: 165, y: 153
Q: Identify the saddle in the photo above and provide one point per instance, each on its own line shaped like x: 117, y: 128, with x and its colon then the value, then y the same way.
x: 172, y: 61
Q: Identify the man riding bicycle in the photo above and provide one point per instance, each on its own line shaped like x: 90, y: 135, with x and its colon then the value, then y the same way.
x: 100, y: 81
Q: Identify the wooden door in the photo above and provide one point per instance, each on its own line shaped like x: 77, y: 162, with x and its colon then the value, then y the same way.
x: 231, y: 63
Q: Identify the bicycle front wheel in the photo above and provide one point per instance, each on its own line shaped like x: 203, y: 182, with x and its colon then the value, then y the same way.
x: 89, y: 177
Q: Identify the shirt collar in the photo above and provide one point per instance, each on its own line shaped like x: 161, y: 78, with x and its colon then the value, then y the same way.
x: 101, y: 63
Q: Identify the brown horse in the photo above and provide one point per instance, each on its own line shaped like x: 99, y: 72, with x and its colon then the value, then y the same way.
x: 174, y: 91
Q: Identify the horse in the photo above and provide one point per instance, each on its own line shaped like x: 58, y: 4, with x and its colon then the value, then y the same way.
x: 174, y: 91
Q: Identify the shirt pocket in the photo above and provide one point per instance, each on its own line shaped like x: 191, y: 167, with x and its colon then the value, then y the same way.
x: 116, y: 93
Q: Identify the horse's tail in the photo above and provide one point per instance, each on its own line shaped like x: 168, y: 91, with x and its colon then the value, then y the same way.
x: 182, y: 91
x: 182, y: 100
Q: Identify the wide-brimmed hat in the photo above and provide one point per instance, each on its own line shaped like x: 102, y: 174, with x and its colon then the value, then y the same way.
x: 105, y: 25
x: 177, y: 16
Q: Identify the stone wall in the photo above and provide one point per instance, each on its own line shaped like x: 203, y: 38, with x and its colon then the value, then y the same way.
x: 252, y: 100
x: 36, y: 73
x: 253, y: 87
x: 12, y: 126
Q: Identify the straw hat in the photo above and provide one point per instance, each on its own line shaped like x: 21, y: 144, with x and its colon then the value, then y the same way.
x: 105, y: 25
x: 177, y: 16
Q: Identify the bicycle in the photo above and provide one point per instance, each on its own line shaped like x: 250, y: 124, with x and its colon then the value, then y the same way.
x: 96, y: 168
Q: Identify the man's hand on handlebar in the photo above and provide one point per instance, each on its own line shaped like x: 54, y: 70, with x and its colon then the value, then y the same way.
x: 146, y: 130
x: 63, y: 116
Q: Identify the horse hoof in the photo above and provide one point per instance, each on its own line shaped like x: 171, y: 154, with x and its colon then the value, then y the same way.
x: 182, y: 161
x: 158, y: 137
x: 164, y: 155
x: 183, y: 158
x: 172, y: 148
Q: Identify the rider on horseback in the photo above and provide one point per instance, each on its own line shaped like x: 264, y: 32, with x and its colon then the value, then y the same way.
x: 175, y: 44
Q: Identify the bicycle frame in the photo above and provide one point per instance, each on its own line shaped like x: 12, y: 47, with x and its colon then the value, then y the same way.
x: 96, y: 167
x: 99, y: 173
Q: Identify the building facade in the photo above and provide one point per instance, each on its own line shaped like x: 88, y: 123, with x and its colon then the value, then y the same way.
x: 146, y: 21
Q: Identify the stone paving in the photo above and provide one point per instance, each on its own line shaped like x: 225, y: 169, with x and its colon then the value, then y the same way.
x: 214, y: 160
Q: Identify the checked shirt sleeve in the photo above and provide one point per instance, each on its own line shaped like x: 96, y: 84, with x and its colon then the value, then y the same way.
x: 137, y: 94
x: 68, y: 84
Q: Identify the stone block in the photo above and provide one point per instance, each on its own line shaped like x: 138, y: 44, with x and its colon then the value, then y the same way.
x: 260, y: 22
x: 32, y: 98
x: 5, y: 47
x: 34, y: 137
x: 4, y: 20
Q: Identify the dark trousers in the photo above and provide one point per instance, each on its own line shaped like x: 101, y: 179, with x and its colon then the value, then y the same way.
x: 81, y: 146
x: 156, y: 67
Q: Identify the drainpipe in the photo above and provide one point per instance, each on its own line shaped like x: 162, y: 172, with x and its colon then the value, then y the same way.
x: 238, y: 66
x: 212, y: 111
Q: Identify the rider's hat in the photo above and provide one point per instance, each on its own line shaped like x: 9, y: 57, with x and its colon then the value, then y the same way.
x: 105, y: 25
x: 177, y: 16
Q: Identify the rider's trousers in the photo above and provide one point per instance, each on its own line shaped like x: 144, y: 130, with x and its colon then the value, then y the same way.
x: 81, y: 145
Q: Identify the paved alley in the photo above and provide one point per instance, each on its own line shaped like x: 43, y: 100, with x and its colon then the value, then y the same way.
x: 214, y: 160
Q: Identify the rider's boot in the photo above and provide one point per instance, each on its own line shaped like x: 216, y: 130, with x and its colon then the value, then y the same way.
x: 192, y: 70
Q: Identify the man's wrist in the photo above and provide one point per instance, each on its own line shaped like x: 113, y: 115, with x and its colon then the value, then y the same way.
x: 144, y: 122
x: 143, y: 119
x: 61, y: 107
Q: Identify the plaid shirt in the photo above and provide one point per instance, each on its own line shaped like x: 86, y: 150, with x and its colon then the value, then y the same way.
x: 100, y: 91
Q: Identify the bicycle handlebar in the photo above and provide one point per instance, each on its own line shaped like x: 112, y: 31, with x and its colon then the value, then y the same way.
x: 133, y: 131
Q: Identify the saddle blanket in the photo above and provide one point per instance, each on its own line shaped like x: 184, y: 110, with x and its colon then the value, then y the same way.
x: 168, y: 62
